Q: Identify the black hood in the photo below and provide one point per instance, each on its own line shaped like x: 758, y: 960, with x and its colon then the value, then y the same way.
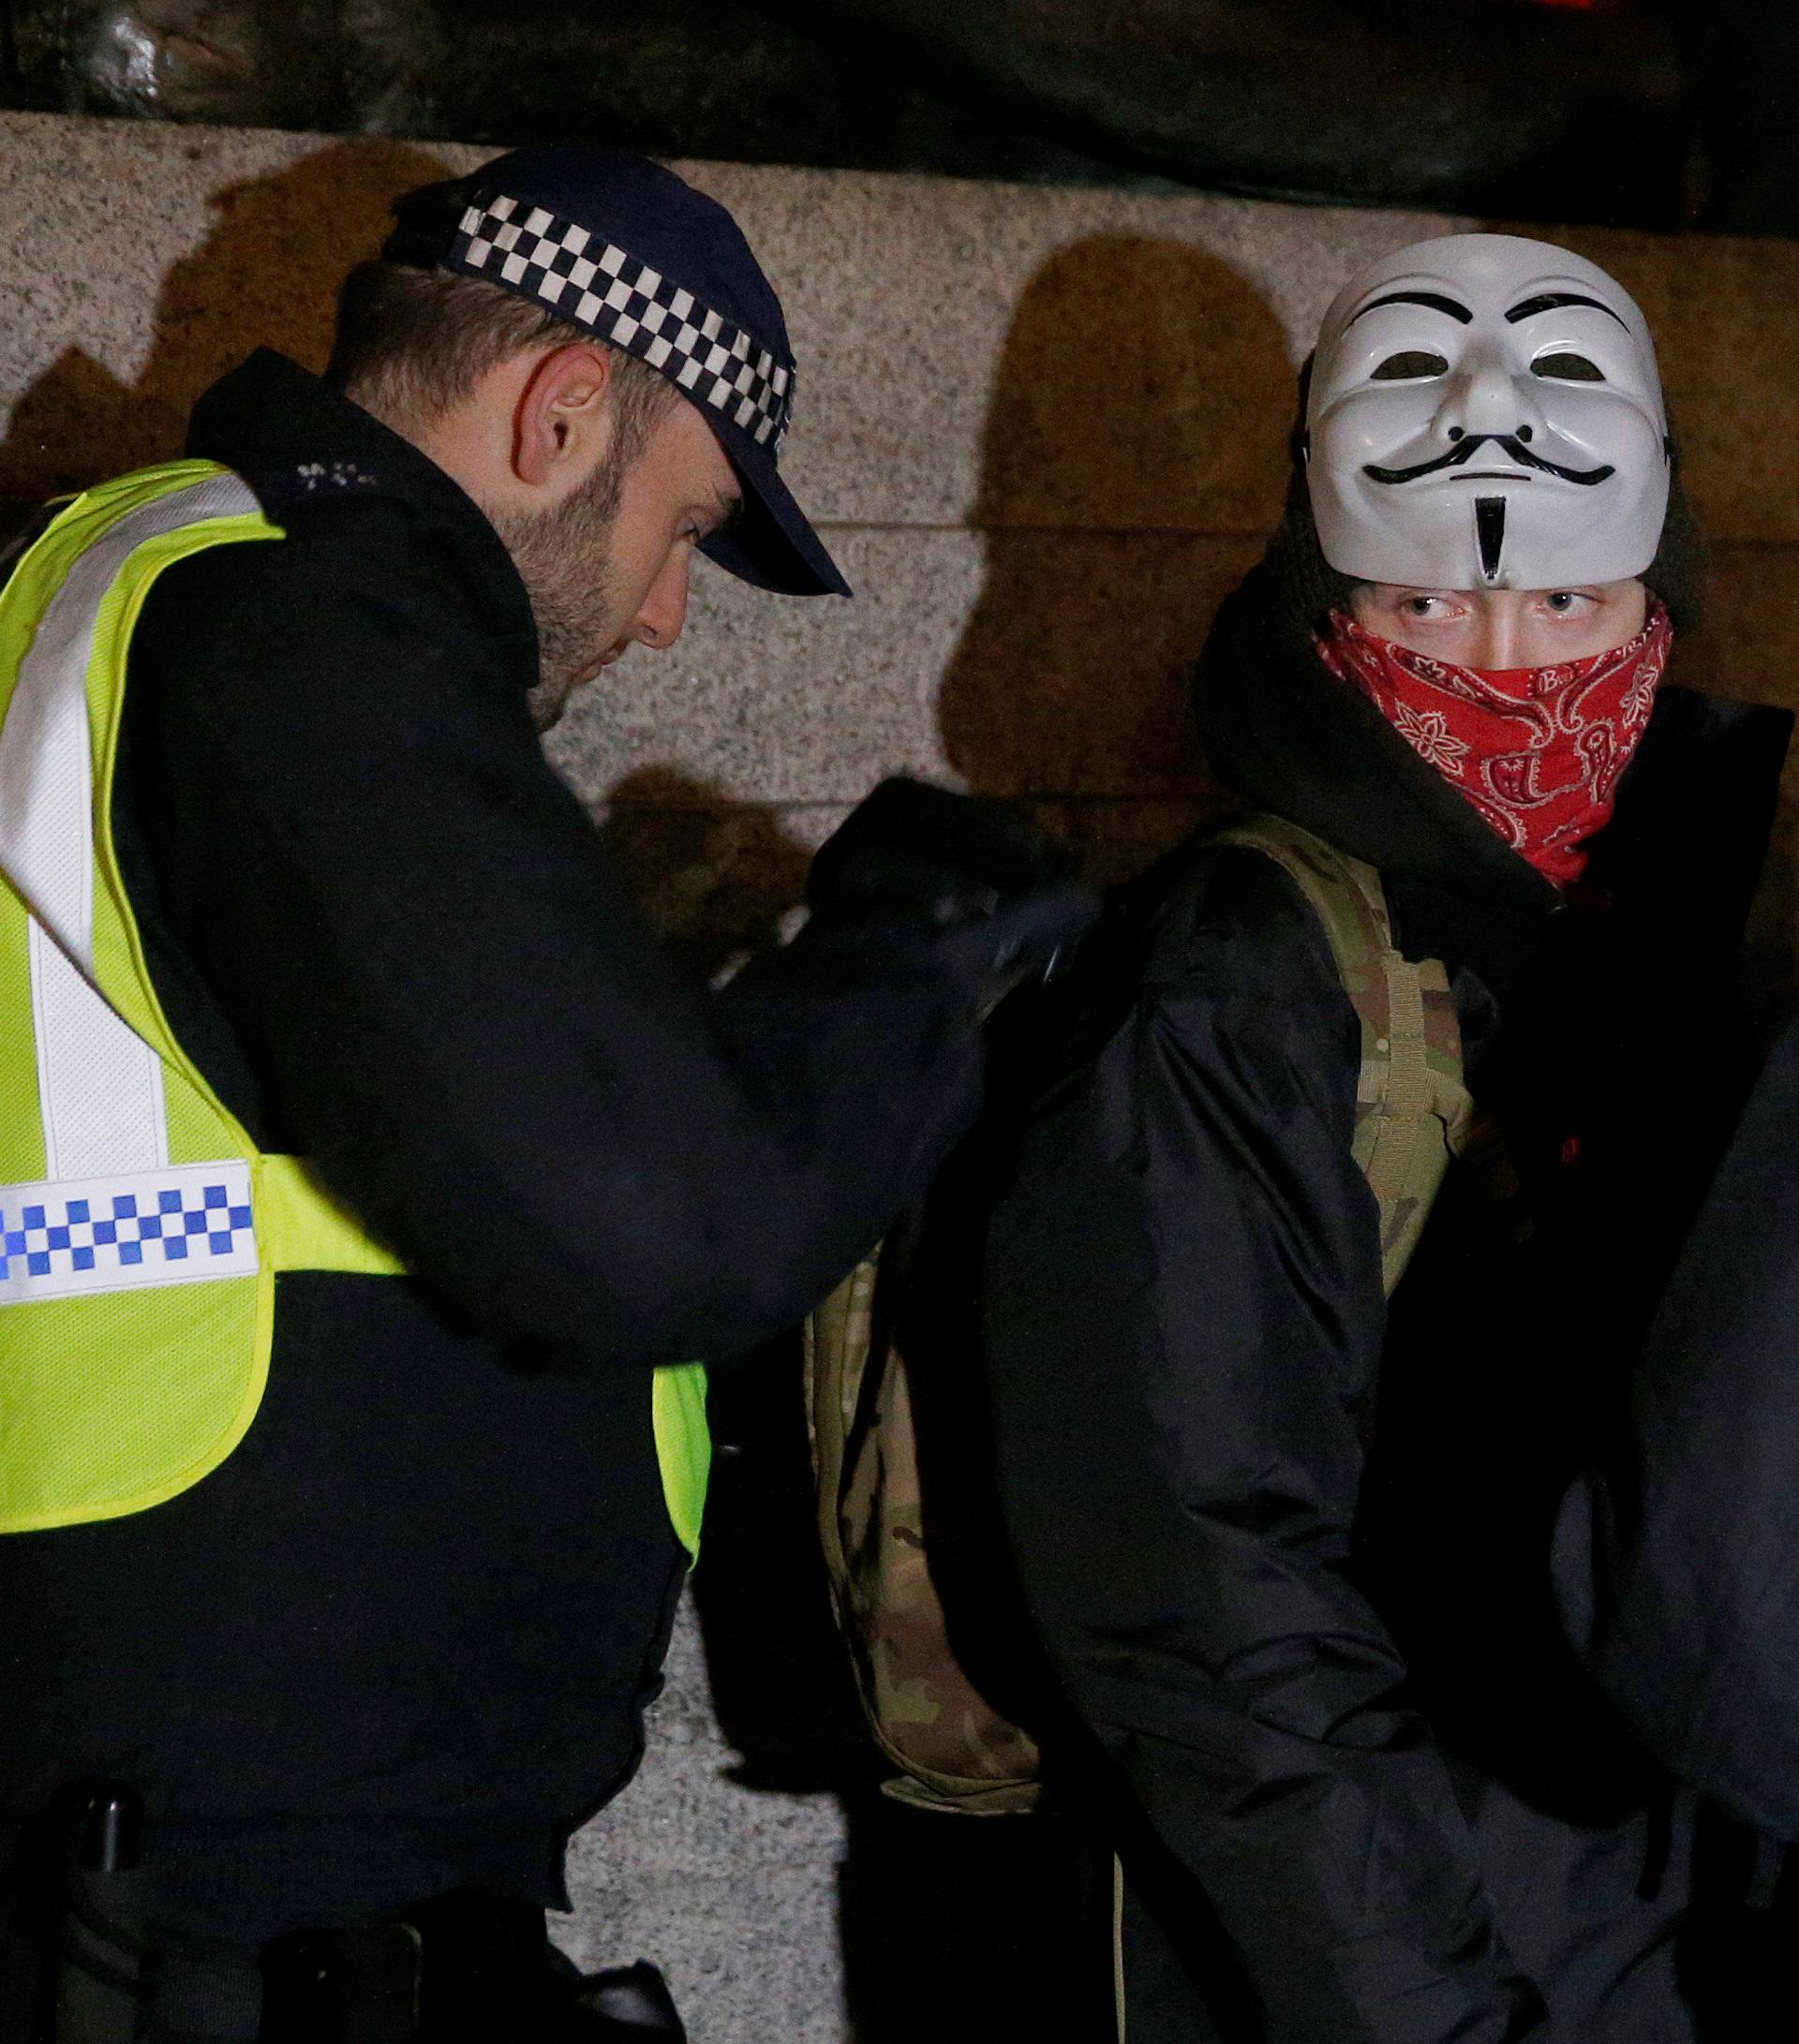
x: 1283, y: 734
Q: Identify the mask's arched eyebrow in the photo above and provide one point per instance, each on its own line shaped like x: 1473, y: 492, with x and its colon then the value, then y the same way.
x: 1435, y: 300
x: 1552, y: 301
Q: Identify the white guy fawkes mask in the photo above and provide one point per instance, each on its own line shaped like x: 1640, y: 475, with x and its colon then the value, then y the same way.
x: 1485, y: 413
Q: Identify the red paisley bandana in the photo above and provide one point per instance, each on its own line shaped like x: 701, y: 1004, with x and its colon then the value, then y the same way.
x: 1537, y: 750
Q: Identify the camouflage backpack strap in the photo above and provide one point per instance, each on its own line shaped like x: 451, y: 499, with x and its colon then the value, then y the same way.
x: 1413, y: 1111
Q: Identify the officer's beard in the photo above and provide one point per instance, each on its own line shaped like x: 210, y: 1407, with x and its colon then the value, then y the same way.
x: 562, y: 559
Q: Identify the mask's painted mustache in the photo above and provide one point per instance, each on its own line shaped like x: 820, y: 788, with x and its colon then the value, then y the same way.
x: 1465, y: 452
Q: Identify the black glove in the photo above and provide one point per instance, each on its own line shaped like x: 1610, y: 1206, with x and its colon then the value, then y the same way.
x: 911, y: 852
x: 916, y: 851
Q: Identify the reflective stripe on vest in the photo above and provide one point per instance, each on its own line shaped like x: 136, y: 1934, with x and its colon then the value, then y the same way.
x: 141, y: 1228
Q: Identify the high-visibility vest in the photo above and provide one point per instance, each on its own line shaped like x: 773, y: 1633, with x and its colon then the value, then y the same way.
x: 141, y: 1229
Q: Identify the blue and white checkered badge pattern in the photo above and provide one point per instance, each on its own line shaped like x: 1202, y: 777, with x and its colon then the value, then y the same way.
x: 182, y: 1224
x: 627, y: 303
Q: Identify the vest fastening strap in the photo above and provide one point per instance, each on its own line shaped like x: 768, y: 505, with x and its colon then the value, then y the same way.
x: 103, y: 1220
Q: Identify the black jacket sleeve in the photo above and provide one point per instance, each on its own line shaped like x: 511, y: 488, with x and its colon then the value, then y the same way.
x: 425, y: 954
x: 1183, y: 1323
x: 1696, y: 1522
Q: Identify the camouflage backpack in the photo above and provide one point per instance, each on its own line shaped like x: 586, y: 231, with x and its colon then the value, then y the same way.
x: 954, y: 1749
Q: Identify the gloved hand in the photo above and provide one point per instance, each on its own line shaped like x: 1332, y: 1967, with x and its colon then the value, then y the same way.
x: 914, y: 850
x: 966, y: 864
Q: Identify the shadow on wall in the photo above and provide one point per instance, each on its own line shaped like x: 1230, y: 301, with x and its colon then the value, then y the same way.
x: 714, y: 874
x: 265, y: 276
x: 1133, y: 458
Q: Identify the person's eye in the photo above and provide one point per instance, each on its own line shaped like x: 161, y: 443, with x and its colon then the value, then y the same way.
x: 1563, y: 368
x: 1424, y: 606
x: 1410, y: 367
x: 1564, y: 602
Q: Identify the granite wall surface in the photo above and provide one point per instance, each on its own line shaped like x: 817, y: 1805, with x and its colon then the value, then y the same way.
x: 1043, y: 431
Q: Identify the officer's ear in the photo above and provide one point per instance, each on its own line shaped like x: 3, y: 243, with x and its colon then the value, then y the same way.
x: 562, y: 423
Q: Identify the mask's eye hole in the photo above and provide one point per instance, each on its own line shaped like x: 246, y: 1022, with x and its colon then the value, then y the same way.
x: 1414, y: 363
x: 1564, y: 369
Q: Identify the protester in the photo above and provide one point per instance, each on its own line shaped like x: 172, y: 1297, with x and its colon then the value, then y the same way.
x: 1288, y: 1544
x: 353, y: 1564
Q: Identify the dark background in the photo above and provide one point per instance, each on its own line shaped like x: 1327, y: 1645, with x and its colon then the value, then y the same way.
x: 1647, y: 112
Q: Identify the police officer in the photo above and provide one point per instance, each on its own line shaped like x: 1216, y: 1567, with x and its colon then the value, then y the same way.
x: 370, y: 1185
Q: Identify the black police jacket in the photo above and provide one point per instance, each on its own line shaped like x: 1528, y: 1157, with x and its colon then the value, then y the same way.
x: 401, y: 1637
x: 1291, y: 1551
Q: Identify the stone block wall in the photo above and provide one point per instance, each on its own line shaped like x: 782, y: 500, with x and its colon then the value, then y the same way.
x: 1044, y: 431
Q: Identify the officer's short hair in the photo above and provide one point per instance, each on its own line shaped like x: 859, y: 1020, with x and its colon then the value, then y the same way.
x: 412, y: 342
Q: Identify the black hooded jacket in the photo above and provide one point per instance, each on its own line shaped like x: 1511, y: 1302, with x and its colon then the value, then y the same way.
x: 1289, y: 1551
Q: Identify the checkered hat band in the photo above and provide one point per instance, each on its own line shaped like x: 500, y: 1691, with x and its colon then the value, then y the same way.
x: 624, y: 302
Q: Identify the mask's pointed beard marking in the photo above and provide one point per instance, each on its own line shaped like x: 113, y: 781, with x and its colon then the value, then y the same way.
x: 1489, y: 533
